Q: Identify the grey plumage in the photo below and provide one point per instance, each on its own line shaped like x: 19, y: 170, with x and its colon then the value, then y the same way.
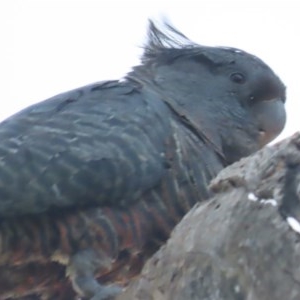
x: 98, y: 174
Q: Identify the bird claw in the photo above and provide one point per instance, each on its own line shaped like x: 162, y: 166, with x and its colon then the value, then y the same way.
x: 81, y: 271
x: 107, y: 292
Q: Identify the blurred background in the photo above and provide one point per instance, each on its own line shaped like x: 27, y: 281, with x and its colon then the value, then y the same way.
x: 50, y: 46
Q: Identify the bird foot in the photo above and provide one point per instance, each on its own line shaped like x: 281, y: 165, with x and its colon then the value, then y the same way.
x: 82, y: 269
x: 107, y: 292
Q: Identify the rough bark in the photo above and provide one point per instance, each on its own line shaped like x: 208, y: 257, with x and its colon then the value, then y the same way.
x: 242, y: 244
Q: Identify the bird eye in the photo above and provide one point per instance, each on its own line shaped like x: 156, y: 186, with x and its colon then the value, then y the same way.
x: 238, y: 78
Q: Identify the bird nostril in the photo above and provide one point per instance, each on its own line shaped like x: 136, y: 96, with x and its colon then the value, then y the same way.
x: 283, y: 99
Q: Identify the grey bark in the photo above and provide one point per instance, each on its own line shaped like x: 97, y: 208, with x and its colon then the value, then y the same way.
x: 238, y: 245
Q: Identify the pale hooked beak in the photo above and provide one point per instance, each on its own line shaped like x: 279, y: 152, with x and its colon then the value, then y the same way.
x: 271, y: 118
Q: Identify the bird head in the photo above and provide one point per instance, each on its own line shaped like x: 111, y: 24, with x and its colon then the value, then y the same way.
x: 230, y: 97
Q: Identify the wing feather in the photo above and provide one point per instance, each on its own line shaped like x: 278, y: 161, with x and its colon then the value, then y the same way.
x: 98, y: 145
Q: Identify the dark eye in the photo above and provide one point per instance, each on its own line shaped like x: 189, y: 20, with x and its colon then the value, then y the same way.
x: 238, y: 78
